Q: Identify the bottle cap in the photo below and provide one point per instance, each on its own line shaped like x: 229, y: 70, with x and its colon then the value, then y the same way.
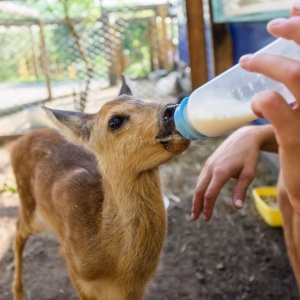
x: 182, y: 126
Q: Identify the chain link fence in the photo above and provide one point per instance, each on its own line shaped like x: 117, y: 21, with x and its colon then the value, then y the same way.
x: 77, y: 64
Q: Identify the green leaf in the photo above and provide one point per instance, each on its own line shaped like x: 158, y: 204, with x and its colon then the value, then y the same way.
x: 5, y: 187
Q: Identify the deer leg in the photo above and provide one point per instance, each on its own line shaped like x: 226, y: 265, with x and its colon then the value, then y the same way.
x: 101, y: 291
x: 19, y: 244
x: 138, y: 294
x: 83, y: 297
x: 77, y: 286
x: 22, y: 234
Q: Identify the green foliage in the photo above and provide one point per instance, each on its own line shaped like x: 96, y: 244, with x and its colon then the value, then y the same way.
x: 134, y: 35
x: 49, y: 9
x: 139, y: 68
x: 10, y: 43
x: 10, y: 188
x: 9, y: 69
x: 62, y: 48
x: 134, y: 41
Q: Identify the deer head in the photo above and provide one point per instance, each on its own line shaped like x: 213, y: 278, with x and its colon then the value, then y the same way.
x: 138, y: 134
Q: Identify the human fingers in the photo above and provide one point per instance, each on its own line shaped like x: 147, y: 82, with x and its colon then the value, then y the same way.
x: 286, y: 28
x: 276, y: 110
x: 277, y: 67
x: 240, y: 189
x: 295, y: 9
x: 209, y: 185
x: 202, y: 184
x: 220, y: 177
x: 286, y: 124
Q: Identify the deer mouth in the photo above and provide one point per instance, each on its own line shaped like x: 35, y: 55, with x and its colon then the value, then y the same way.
x: 168, y: 136
x: 174, y: 142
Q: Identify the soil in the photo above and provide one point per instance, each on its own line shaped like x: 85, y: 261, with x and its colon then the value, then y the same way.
x: 234, y: 256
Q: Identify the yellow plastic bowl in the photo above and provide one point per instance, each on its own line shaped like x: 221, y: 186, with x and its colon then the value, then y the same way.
x: 271, y: 215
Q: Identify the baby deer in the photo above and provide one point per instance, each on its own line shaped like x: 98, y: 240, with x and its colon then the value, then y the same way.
x: 105, y: 205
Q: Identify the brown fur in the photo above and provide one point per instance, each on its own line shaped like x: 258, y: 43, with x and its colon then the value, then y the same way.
x: 105, y: 207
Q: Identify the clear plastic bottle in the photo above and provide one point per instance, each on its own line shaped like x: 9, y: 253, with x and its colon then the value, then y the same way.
x: 223, y: 103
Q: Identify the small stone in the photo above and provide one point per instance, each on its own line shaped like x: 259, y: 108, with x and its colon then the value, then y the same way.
x: 200, y: 276
x: 220, y: 266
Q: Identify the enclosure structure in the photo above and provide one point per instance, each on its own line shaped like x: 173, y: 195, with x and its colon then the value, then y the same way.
x: 76, y: 62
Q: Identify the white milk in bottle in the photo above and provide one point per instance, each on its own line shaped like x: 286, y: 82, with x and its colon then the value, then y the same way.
x: 223, y: 104
x: 215, y: 117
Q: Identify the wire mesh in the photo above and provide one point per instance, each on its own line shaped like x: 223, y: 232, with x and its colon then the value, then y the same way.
x: 78, y: 64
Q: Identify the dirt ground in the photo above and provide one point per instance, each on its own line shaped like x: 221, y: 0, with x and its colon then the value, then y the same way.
x: 234, y: 256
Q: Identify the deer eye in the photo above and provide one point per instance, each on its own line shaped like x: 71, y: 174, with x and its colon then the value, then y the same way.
x: 116, y: 122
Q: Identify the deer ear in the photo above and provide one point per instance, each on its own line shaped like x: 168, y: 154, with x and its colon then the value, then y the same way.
x: 125, y: 89
x: 75, y: 125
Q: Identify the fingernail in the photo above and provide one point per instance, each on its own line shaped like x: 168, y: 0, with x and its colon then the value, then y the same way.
x: 192, y: 216
x: 296, y: 6
x: 239, y: 203
x: 276, y: 22
x: 244, y: 60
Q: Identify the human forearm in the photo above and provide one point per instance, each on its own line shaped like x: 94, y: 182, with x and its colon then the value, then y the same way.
x: 266, y: 138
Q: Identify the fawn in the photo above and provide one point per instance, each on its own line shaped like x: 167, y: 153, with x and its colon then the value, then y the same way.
x: 102, y: 196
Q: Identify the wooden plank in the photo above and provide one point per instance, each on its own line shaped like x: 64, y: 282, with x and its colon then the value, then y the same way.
x: 4, y: 139
x: 163, y: 43
x: 222, y: 44
x: 45, y: 61
x: 24, y: 22
x: 13, y: 9
x: 196, y: 41
x: 130, y: 9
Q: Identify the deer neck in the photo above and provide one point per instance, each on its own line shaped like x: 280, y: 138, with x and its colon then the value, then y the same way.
x: 135, y: 201
x: 135, y: 206
x: 134, y: 191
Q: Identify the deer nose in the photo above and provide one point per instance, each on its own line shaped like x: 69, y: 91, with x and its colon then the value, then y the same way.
x: 169, y: 111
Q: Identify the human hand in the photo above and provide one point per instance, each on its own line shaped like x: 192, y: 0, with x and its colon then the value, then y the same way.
x: 237, y: 158
x: 270, y: 105
x: 278, y: 67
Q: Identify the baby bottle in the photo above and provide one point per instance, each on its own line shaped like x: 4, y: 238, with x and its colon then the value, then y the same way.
x: 223, y: 103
